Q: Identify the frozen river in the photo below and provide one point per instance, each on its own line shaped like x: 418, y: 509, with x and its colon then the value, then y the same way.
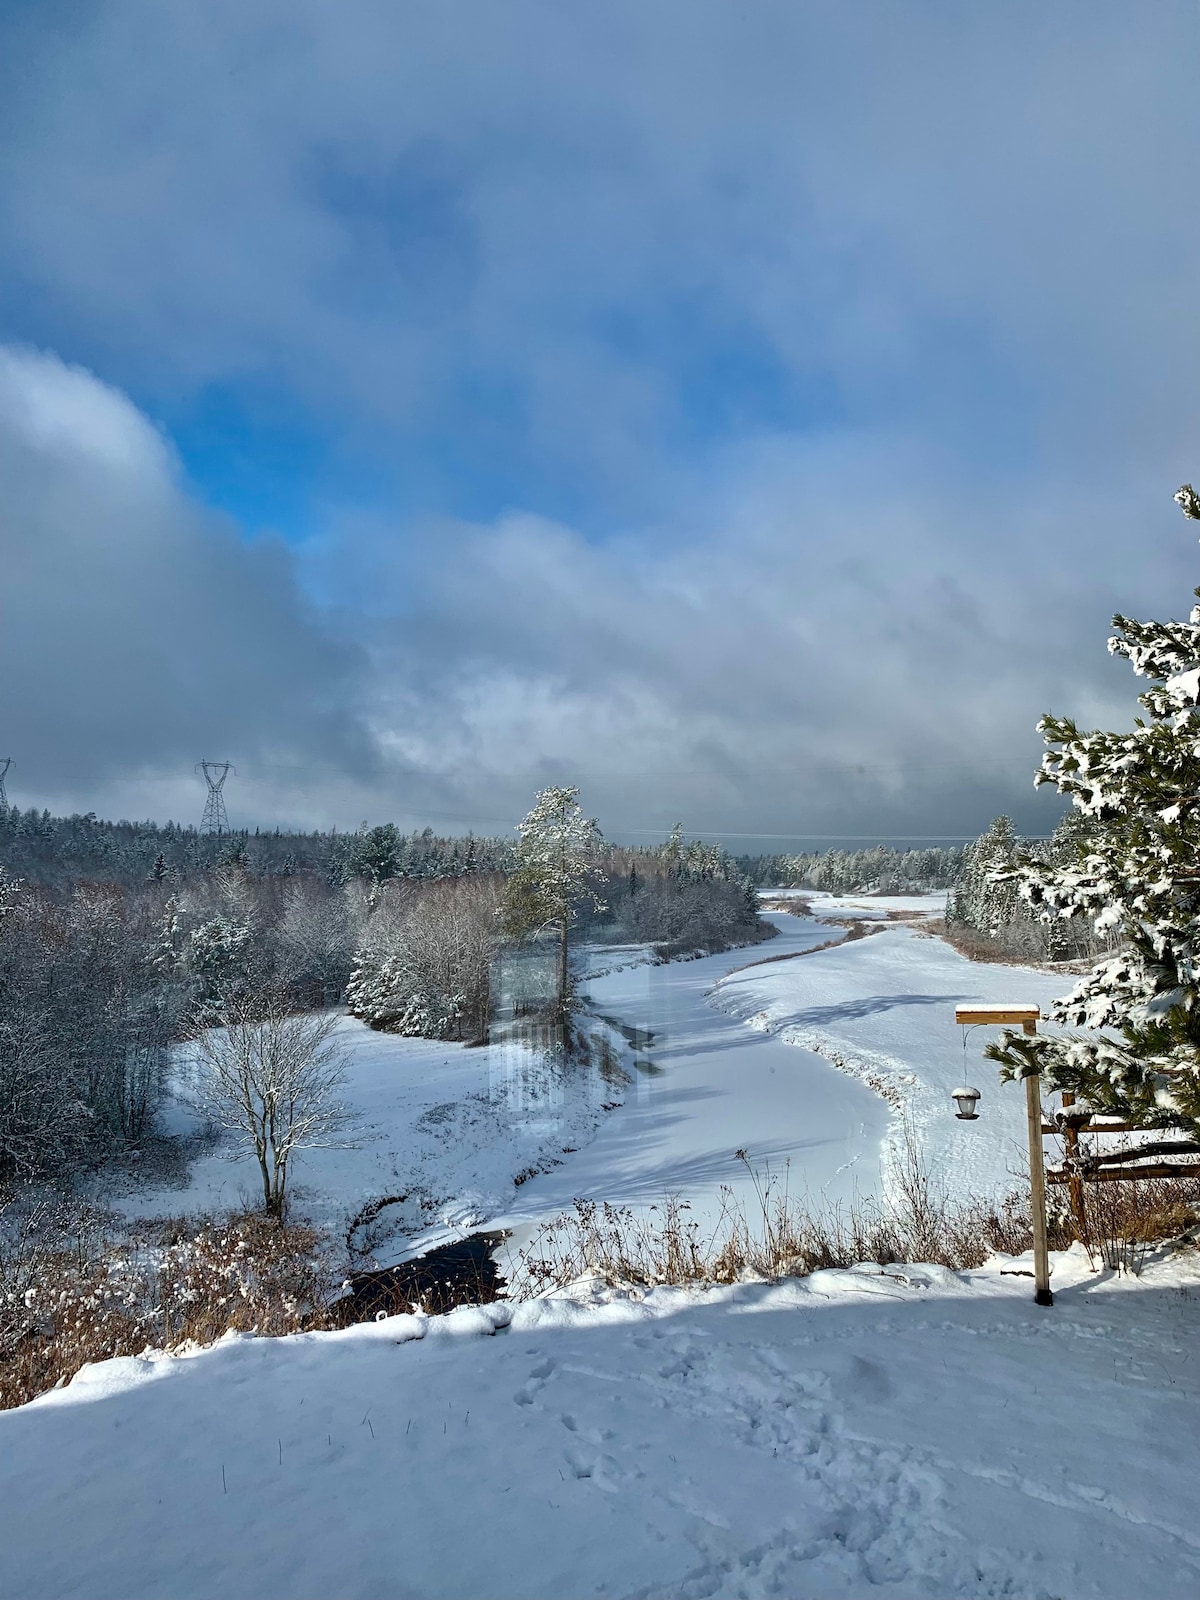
x: 709, y: 1085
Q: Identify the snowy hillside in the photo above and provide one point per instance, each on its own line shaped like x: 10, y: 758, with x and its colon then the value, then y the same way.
x: 908, y: 1433
x: 882, y: 1010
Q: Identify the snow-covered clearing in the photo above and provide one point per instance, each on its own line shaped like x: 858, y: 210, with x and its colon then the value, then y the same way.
x: 882, y: 1009
x: 912, y: 1433
x: 448, y: 1126
x: 728, y: 1052
x: 905, y: 1431
x: 453, y: 1127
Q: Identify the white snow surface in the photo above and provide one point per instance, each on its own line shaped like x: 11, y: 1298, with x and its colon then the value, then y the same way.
x: 900, y: 1431
x: 815, y: 1060
x: 907, y: 1432
x: 705, y: 1086
x: 882, y: 1010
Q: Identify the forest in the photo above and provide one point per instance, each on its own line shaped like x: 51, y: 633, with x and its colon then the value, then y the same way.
x: 119, y: 940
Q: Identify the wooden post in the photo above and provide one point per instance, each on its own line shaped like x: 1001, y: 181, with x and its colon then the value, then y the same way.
x: 1037, y: 1183
x: 1074, y: 1181
x: 1007, y: 1015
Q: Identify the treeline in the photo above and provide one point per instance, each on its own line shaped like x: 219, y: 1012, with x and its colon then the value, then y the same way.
x: 986, y: 914
x: 427, y: 956
x: 683, y: 897
x: 877, y: 870
x: 118, y: 939
x: 98, y: 981
x: 58, y: 852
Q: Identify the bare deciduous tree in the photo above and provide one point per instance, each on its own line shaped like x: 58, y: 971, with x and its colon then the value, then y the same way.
x: 272, y: 1079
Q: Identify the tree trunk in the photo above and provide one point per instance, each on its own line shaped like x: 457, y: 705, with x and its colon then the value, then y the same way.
x: 562, y: 970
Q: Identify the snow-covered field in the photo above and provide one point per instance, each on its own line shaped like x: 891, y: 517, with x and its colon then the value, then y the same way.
x: 814, y: 1061
x: 707, y: 1086
x: 904, y: 1431
x: 908, y: 1433
x: 454, y: 1127
x: 448, y: 1126
x: 882, y: 1009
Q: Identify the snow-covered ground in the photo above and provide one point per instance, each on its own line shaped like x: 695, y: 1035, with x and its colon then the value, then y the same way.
x: 706, y: 1086
x: 790, y: 1053
x: 448, y: 1126
x: 454, y: 1127
x: 882, y: 1009
x: 904, y: 1431
x: 911, y: 1433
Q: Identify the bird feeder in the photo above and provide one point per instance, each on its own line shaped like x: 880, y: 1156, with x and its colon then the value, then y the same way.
x: 966, y: 1099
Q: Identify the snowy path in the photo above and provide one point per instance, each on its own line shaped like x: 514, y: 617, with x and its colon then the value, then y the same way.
x: 842, y: 1436
x: 882, y: 1009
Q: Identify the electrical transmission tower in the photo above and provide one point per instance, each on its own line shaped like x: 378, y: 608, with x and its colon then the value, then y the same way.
x: 216, y: 818
x: 5, y: 763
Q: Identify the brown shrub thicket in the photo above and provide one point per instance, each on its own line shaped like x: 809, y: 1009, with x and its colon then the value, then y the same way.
x: 74, y: 1291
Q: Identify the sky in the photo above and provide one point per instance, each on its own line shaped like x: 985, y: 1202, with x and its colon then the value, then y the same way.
x: 753, y: 415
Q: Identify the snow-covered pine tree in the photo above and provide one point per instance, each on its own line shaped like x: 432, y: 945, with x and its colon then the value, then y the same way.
x: 1136, y: 869
x: 981, y: 899
x: 556, y: 846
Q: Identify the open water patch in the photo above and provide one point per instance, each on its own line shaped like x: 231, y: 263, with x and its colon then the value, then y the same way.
x: 463, y: 1273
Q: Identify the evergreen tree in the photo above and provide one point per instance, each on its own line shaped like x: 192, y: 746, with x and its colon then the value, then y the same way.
x: 1134, y: 867
x: 377, y: 853
x: 556, y: 847
x: 985, y: 897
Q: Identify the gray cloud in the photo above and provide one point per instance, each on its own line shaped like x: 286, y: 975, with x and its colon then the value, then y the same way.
x: 954, y: 244
x: 913, y: 206
x: 812, y: 661
x: 139, y: 633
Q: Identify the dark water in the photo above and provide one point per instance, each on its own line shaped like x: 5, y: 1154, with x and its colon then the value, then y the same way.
x: 458, y: 1274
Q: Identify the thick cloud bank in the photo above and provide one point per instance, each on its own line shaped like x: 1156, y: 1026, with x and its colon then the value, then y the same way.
x: 798, y: 664
x: 140, y: 634
x: 754, y: 414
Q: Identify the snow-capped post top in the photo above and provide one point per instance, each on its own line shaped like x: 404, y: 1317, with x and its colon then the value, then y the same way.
x: 966, y: 1099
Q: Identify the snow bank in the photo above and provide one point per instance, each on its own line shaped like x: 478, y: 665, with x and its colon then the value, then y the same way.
x: 905, y: 1431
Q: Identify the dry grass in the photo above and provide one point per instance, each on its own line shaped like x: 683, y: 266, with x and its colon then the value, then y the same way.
x: 978, y: 946
x: 74, y: 1291
x: 1127, y: 1219
x: 796, y: 904
x: 779, y: 1237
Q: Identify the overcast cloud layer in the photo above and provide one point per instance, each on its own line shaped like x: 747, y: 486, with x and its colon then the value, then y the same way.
x: 753, y: 414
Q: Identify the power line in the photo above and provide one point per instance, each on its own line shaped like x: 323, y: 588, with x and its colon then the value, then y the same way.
x: 5, y: 763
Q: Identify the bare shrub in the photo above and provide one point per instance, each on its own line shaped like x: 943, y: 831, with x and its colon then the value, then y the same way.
x: 74, y: 1291
x: 272, y: 1079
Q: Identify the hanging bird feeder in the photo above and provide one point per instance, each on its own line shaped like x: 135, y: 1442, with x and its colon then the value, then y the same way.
x: 966, y: 1099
